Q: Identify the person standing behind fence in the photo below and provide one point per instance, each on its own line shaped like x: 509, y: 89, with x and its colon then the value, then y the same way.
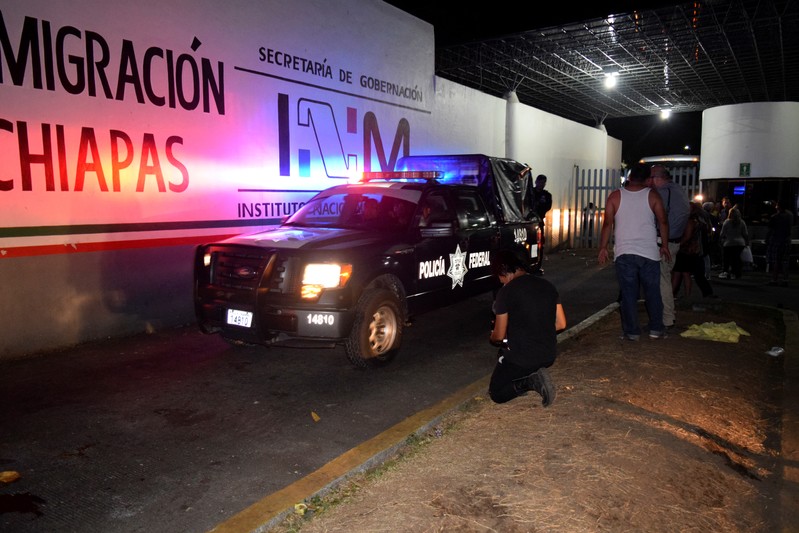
x: 589, y: 216
x: 734, y: 237
x: 630, y: 214
x: 677, y: 207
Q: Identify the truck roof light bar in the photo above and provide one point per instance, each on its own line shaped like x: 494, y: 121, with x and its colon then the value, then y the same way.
x: 427, y: 175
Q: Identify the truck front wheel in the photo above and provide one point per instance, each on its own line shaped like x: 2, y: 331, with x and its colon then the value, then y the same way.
x: 377, y: 330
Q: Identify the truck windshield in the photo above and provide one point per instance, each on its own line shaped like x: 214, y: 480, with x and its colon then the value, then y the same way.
x: 367, y: 211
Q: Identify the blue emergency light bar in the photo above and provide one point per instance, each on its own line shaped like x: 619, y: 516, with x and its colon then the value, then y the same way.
x: 407, y: 175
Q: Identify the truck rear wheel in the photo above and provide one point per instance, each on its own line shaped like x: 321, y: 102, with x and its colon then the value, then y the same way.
x: 377, y: 330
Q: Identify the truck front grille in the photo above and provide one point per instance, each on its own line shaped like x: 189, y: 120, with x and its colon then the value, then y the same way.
x: 247, y: 269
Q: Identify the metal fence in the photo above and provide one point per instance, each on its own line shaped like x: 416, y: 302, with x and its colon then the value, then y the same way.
x: 583, y: 221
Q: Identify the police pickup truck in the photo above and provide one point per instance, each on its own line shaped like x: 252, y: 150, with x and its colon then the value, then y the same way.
x: 357, y: 262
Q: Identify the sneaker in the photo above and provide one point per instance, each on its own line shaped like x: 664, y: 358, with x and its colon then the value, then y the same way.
x: 657, y: 335
x: 629, y: 337
x: 723, y: 275
x: 732, y: 276
x: 541, y: 382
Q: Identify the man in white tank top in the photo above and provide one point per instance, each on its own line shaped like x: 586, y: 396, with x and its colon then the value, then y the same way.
x: 628, y: 217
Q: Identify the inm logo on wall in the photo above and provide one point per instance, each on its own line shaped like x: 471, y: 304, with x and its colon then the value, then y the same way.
x: 334, y: 157
x: 324, y: 148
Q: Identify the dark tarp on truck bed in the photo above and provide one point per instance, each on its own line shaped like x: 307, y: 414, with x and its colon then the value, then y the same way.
x: 505, y: 184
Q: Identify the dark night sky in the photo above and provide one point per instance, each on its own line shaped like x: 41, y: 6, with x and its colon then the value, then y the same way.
x: 457, y: 21
x: 641, y: 136
x: 651, y: 135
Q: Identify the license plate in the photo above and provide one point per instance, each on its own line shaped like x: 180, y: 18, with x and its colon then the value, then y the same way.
x: 239, y: 318
x: 320, y: 319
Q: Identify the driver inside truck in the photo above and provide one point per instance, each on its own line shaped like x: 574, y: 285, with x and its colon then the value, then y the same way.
x: 370, y: 208
x: 433, y: 210
x: 400, y: 214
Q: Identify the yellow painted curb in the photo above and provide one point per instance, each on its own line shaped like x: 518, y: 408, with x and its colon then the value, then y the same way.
x: 267, y: 512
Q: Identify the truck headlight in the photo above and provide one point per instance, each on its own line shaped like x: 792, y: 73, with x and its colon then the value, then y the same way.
x: 320, y: 276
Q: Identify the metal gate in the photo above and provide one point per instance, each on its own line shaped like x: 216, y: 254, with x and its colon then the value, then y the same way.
x: 688, y: 177
x: 591, y: 189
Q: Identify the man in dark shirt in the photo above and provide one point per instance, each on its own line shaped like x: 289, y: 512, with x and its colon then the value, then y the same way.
x: 542, y: 198
x: 678, y: 207
x: 542, y: 203
x: 778, y: 243
x: 528, y: 316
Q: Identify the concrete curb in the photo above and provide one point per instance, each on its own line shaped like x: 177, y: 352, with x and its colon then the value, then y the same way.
x: 588, y: 322
x: 268, y: 512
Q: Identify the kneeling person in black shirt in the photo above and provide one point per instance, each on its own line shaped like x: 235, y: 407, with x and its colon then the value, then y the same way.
x: 528, y: 317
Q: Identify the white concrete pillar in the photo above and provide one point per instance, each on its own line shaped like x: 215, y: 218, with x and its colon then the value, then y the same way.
x: 513, y: 137
x: 761, y: 137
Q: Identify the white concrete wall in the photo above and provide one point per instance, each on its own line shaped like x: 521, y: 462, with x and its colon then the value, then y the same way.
x: 557, y: 147
x: 554, y: 146
x: 108, y: 180
x: 464, y: 121
x: 298, y: 86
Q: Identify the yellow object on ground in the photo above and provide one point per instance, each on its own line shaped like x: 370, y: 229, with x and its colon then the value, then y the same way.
x: 727, y: 332
x: 9, y: 476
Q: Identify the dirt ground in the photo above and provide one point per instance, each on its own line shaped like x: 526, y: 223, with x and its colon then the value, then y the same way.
x: 666, y: 435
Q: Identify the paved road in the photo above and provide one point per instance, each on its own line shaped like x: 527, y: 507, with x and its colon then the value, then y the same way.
x: 177, y: 431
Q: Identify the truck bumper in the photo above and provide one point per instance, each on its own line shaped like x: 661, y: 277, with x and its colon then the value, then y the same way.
x: 296, y: 326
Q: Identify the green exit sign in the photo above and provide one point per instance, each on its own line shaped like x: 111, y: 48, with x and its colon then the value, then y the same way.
x: 744, y: 170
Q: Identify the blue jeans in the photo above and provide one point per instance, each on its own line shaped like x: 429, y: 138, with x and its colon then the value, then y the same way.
x: 635, y: 273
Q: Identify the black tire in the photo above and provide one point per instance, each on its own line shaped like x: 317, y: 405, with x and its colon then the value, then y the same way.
x: 377, y: 330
